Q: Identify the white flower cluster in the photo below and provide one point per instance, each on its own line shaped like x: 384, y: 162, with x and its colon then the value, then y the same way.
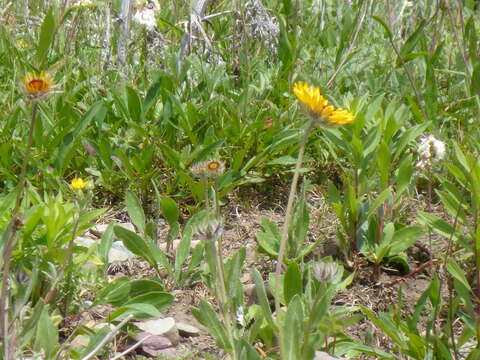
x: 146, y: 16
x: 261, y: 25
x: 430, y: 151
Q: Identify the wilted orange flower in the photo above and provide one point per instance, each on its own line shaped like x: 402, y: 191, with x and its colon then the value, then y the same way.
x: 210, y: 168
x: 37, y: 85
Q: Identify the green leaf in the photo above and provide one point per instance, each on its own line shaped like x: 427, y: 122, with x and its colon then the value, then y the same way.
x: 135, y: 244
x: 382, y: 197
x: 139, y: 287
x: 208, y: 318
x: 138, y: 310
x: 437, y: 224
x: 45, y: 40
x: 158, y: 299
x: 7, y: 202
x: 169, y: 210
x: 403, y: 239
x: 233, y: 269
x: 66, y: 149
x: 475, y: 84
x: 262, y: 297
x: 404, y: 175
x: 135, y: 211
x: 412, y: 41
x: 106, y: 241
x: 456, y: 271
x: 384, y: 25
x: 269, y: 238
x: 384, y: 323
x: 293, y: 329
x: 116, y: 293
x: 46, y: 335
x: 292, y: 282
x: 134, y: 105
x: 184, y: 247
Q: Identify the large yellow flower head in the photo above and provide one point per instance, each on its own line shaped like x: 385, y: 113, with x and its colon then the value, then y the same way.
x: 318, y: 107
x: 37, y: 85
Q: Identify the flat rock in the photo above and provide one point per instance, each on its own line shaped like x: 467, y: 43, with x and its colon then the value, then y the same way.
x: 165, y: 327
x: 187, y: 330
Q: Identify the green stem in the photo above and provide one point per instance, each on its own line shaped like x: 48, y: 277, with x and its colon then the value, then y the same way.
x: 286, y: 225
x: 14, y: 225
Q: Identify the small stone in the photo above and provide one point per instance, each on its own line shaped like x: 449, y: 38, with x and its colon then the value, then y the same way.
x: 186, y: 330
x: 118, y: 252
x: 84, y: 241
x: 155, y: 344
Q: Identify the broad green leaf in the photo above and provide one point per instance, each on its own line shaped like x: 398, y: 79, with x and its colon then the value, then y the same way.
x: 116, y: 293
x: 159, y: 299
x: 403, y: 239
x: 135, y: 244
x: 139, y: 287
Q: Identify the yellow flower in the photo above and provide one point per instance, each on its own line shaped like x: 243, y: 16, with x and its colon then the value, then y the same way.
x: 22, y: 44
x: 78, y: 184
x: 318, y: 107
x: 37, y: 85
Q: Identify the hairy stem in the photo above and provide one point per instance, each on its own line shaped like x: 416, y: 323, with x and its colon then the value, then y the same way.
x: 287, y: 221
x: 13, y: 227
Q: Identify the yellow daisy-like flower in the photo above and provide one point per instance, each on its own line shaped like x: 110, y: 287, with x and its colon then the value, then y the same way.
x: 318, y: 107
x: 78, y: 184
x: 37, y: 85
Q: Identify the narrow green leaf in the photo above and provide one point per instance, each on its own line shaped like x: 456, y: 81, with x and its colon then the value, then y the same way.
x: 45, y: 40
x: 208, y: 318
x: 292, y: 282
x: 456, y: 271
x: 262, y: 297
x: 293, y: 329
x: 47, y: 335
x: 135, y: 211
x: 169, y: 210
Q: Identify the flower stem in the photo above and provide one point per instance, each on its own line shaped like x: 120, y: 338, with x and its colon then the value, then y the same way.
x: 13, y: 227
x: 287, y: 221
